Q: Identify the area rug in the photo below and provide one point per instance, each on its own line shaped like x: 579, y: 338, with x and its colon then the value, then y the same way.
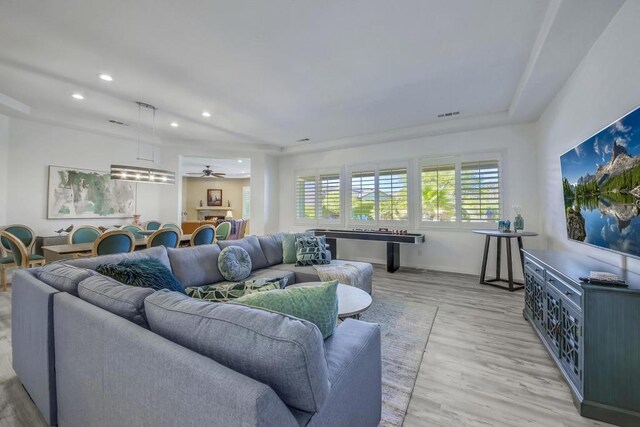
x: 405, y: 328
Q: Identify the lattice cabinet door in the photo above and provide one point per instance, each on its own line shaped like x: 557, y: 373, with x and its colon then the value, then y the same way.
x: 572, y: 343
x: 538, y: 302
x: 529, y: 284
x: 552, y: 326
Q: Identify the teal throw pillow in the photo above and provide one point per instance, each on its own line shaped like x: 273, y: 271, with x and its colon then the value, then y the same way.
x: 317, y: 304
x: 289, y: 246
x: 311, y: 250
x: 226, y: 292
x: 234, y: 263
x: 145, y: 273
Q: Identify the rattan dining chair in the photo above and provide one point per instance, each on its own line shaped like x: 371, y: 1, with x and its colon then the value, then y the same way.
x: 203, y: 235
x: 114, y: 242
x: 19, y: 254
x: 167, y: 237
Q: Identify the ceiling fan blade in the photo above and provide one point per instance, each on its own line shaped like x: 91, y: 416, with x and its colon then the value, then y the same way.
x: 219, y: 174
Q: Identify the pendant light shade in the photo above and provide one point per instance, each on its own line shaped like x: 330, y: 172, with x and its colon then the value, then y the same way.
x: 142, y: 174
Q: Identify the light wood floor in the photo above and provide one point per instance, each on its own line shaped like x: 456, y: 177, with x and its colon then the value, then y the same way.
x: 483, y: 364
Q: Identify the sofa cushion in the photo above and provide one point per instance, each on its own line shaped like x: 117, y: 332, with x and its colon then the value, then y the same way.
x: 144, y: 273
x: 124, y: 300
x: 252, y: 246
x: 311, y: 250
x: 281, y: 351
x: 197, y: 265
x: 63, y: 277
x: 234, y: 263
x: 317, y: 304
x: 158, y: 252
x: 272, y: 248
x: 268, y: 273
x: 226, y: 292
x: 289, y: 245
x: 301, y: 274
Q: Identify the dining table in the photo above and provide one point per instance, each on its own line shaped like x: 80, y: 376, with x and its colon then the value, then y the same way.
x: 60, y: 252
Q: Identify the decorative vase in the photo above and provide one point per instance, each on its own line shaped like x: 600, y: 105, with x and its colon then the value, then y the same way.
x: 518, y: 223
x: 504, y: 225
x: 136, y: 219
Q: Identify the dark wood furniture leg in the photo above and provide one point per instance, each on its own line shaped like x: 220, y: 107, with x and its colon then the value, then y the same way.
x: 520, y: 247
x: 393, y: 256
x: 333, y: 247
x: 499, y: 258
x: 509, y: 265
x: 483, y: 272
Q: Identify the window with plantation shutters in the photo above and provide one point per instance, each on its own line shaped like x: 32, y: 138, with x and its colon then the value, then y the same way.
x: 363, y: 195
x: 392, y: 194
x: 329, y: 196
x: 438, y: 192
x: 306, y: 198
x: 480, y: 191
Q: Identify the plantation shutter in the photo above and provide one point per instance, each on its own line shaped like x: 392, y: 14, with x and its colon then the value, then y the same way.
x: 438, y: 188
x: 392, y: 194
x: 306, y: 197
x: 480, y: 190
x: 329, y: 196
x: 363, y: 196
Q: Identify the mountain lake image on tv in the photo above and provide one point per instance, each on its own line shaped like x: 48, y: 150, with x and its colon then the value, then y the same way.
x: 601, y: 186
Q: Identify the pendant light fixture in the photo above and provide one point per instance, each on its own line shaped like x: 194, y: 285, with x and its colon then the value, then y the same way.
x: 140, y: 173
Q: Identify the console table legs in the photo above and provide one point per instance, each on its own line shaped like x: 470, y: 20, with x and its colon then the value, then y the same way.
x: 511, y: 284
x: 393, y: 256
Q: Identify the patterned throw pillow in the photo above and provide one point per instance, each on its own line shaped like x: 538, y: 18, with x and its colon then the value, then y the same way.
x: 146, y: 273
x: 311, y: 250
x: 317, y: 304
x: 289, y: 245
x: 224, y: 293
x: 234, y: 263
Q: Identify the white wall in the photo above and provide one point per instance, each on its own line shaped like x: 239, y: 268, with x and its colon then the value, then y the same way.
x: 4, y: 162
x: 604, y: 87
x: 459, y: 251
x: 34, y: 146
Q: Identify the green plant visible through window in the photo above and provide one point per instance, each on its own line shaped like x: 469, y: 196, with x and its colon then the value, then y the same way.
x: 439, y: 193
x: 388, y: 188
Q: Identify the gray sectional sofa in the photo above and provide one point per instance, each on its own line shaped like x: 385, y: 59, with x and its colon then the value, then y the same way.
x: 93, y: 352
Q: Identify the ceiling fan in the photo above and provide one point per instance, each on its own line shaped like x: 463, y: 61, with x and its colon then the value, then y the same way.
x: 208, y: 173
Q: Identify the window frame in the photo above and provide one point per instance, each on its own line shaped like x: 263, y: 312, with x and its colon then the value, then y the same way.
x: 458, y: 160
x: 317, y: 173
x: 376, y: 168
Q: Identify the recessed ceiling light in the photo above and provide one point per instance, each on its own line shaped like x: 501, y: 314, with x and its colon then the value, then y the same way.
x: 106, y: 77
x: 174, y: 125
x: 239, y: 160
x: 206, y: 114
x: 77, y: 96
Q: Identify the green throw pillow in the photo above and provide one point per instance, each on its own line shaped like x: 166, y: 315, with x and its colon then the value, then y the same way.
x: 226, y: 292
x: 289, y: 246
x: 317, y: 304
x: 311, y: 250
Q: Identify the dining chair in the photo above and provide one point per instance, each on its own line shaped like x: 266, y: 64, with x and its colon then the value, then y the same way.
x: 83, y: 234
x: 173, y: 226
x: 152, y: 225
x: 223, y: 230
x: 22, y: 232
x: 167, y: 237
x: 203, y: 235
x: 20, y: 257
x: 114, y: 242
x: 135, y: 230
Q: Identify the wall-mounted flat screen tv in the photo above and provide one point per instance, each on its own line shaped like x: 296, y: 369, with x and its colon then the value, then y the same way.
x: 601, y: 186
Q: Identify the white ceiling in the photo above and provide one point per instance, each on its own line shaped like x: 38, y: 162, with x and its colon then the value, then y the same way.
x: 234, y: 168
x: 272, y: 72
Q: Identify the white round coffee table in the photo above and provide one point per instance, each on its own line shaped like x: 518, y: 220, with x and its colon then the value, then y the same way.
x: 351, y: 300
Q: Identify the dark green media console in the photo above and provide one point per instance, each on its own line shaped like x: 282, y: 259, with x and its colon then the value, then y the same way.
x: 592, y: 332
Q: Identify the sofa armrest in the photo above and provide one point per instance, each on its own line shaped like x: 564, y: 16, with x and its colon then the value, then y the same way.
x: 32, y: 340
x: 353, y: 356
x: 113, y: 372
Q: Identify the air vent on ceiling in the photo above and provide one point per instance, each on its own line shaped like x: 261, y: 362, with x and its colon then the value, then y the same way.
x: 115, y: 122
x: 453, y: 113
x: 303, y: 140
